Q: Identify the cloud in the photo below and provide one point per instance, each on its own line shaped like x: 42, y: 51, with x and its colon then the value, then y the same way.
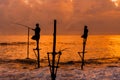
x: 71, y: 16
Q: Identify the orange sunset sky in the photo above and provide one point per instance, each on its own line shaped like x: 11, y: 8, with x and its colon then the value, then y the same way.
x: 101, y: 16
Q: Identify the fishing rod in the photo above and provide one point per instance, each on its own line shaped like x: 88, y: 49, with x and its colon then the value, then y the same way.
x: 28, y: 42
x: 23, y: 25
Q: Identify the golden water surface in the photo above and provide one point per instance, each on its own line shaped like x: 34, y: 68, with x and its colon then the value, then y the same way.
x: 97, y: 47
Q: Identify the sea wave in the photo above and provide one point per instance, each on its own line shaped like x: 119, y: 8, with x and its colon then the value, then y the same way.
x: 15, y: 43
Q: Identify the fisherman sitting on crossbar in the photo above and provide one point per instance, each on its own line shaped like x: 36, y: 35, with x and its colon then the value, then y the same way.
x: 85, y: 35
x: 37, y: 35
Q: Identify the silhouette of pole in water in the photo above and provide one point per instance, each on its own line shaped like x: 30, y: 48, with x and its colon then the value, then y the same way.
x: 28, y: 43
x: 84, y: 36
x: 54, y: 64
x: 54, y: 52
x: 55, y: 61
x: 37, y: 37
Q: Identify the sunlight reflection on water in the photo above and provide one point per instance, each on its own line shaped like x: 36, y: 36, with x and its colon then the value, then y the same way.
x: 98, y: 46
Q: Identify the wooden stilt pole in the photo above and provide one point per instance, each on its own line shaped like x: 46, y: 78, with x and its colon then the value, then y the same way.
x: 54, y: 52
x: 54, y: 62
x: 83, y: 61
x: 28, y: 43
x: 38, y: 54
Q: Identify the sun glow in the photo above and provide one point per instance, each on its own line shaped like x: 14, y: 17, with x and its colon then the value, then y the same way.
x: 30, y: 3
x: 116, y: 2
x: 26, y: 2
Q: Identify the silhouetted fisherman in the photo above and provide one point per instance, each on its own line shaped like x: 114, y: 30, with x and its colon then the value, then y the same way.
x: 84, y: 36
x: 37, y: 35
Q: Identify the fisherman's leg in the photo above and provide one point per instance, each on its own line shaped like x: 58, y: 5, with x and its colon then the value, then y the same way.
x: 37, y: 44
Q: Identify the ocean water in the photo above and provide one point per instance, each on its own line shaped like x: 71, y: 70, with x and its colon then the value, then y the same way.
x: 99, y: 49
